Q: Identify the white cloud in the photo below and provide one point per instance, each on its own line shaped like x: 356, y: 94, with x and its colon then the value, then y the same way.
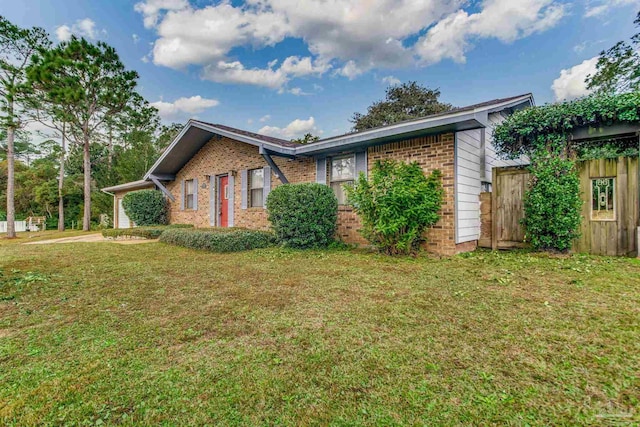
x: 295, y: 129
x: 136, y: 38
x: 83, y: 28
x: 235, y: 72
x: 350, y: 37
x: 183, y: 107
x: 152, y: 9
x: 265, y: 118
x: 391, y: 80
x: 571, y: 83
x: 505, y: 20
x: 602, y: 7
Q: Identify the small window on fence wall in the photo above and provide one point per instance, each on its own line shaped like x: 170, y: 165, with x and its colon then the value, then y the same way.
x: 603, y: 199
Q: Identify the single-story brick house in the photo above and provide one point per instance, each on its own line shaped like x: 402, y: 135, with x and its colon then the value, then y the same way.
x: 215, y: 175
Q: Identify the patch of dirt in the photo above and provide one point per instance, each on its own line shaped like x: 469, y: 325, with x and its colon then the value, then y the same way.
x: 89, y: 238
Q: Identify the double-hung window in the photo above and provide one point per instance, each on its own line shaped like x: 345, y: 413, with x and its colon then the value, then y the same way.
x: 343, y: 172
x: 256, y: 188
x: 190, y: 194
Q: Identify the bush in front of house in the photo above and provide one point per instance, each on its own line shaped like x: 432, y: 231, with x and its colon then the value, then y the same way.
x: 303, y: 215
x: 397, y: 205
x: 141, y: 232
x: 552, y: 205
x: 219, y: 239
x: 146, y: 207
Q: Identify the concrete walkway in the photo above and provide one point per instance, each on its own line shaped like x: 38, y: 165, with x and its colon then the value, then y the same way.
x: 89, y: 238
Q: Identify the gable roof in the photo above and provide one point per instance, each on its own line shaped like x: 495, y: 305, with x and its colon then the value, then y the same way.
x: 197, y: 133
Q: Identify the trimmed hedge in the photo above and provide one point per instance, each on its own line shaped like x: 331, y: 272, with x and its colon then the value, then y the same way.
x: 219, y: 239
x: 146, y: 207
x: 303, y: 215
x: 141, y: 232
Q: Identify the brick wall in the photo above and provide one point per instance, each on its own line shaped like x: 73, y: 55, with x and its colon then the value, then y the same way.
x: 222, y: 155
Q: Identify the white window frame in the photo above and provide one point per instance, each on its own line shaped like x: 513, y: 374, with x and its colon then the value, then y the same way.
x: 342, y: 182
x: 251, y: 188
x: 613, y: 193
x: 187, y: 194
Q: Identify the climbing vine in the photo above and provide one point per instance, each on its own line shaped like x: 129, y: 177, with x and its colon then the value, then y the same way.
x: 552, y: 204
x: 527, y: 131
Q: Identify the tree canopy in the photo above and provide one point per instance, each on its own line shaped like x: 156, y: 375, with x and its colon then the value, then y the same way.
x: 618, y: 68
x: 402, y: 102
x: 86, y: 86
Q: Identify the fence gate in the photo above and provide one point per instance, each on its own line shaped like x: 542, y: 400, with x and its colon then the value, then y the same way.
x: 509, y: 186
x: 610, y: 214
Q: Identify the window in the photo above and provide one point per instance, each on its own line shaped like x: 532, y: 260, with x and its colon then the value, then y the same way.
x: 256, y: 188
x: 189, y: 194
x: 343, y: 172
x: 603, y: 199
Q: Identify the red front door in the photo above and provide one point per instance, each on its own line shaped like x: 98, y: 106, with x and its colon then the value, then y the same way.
x: 223, y: 196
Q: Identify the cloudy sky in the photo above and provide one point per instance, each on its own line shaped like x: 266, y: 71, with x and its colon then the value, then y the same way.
x: 286, y: 67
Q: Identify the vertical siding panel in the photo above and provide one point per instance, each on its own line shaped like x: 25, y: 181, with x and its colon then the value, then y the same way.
x: 321, y: 170
x: 244, y: 184
x: 195, y: 195
x: 182, y: 195
x: 232, y: 197
x: 267, y: 184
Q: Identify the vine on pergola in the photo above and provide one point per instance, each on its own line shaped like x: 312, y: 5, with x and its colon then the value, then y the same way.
x: 549, y: 127
x: 553, y: 203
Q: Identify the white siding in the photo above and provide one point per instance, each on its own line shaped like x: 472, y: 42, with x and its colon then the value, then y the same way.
x: 123, y: 219
x: 467, y: 185
x: 468, y: 180
x: 492, y: 159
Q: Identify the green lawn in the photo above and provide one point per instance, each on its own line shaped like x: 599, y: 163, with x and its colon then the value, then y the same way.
x: 94, y: 333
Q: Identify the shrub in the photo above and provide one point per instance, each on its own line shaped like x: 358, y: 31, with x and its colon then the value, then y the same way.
x: 219, y: 239
x: 142, y: 232
x: 552, y: 205
x: 397, y: 205
x: 146, y: 207
x: 303, y: 215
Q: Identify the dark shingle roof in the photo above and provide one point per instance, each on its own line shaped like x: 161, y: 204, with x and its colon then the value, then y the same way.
x: 264, y: 138
x: 444, y: 113
x: 285, y: 143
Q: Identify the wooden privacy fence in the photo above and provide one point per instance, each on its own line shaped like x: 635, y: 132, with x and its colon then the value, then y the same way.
x: 610, y: 217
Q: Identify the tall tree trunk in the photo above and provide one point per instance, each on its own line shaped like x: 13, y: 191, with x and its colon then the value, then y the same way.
x: 61, y: 182
x: 110, y: 149
x: 11, y: 209
x: 86, y: 220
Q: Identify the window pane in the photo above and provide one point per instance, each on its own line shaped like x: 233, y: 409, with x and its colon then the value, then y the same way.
x: 189, y: 201
x: 189, y: 186
x: 338, y: 190
x: 256, y: 197
x: 257, y: 178
x: 343, y: 169
x: 602, y: 197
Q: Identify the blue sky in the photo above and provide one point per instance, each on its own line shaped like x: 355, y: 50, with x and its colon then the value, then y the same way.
x: 286, y: 67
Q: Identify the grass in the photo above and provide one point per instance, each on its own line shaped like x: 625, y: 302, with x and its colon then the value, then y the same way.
x: 94, y: 333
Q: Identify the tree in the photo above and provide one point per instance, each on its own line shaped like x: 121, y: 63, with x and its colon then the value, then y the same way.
x: 85, y: 84
x: 402, y: 102
x: 618, y: 68
x: 17, y: 46
x: 307, y: 138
